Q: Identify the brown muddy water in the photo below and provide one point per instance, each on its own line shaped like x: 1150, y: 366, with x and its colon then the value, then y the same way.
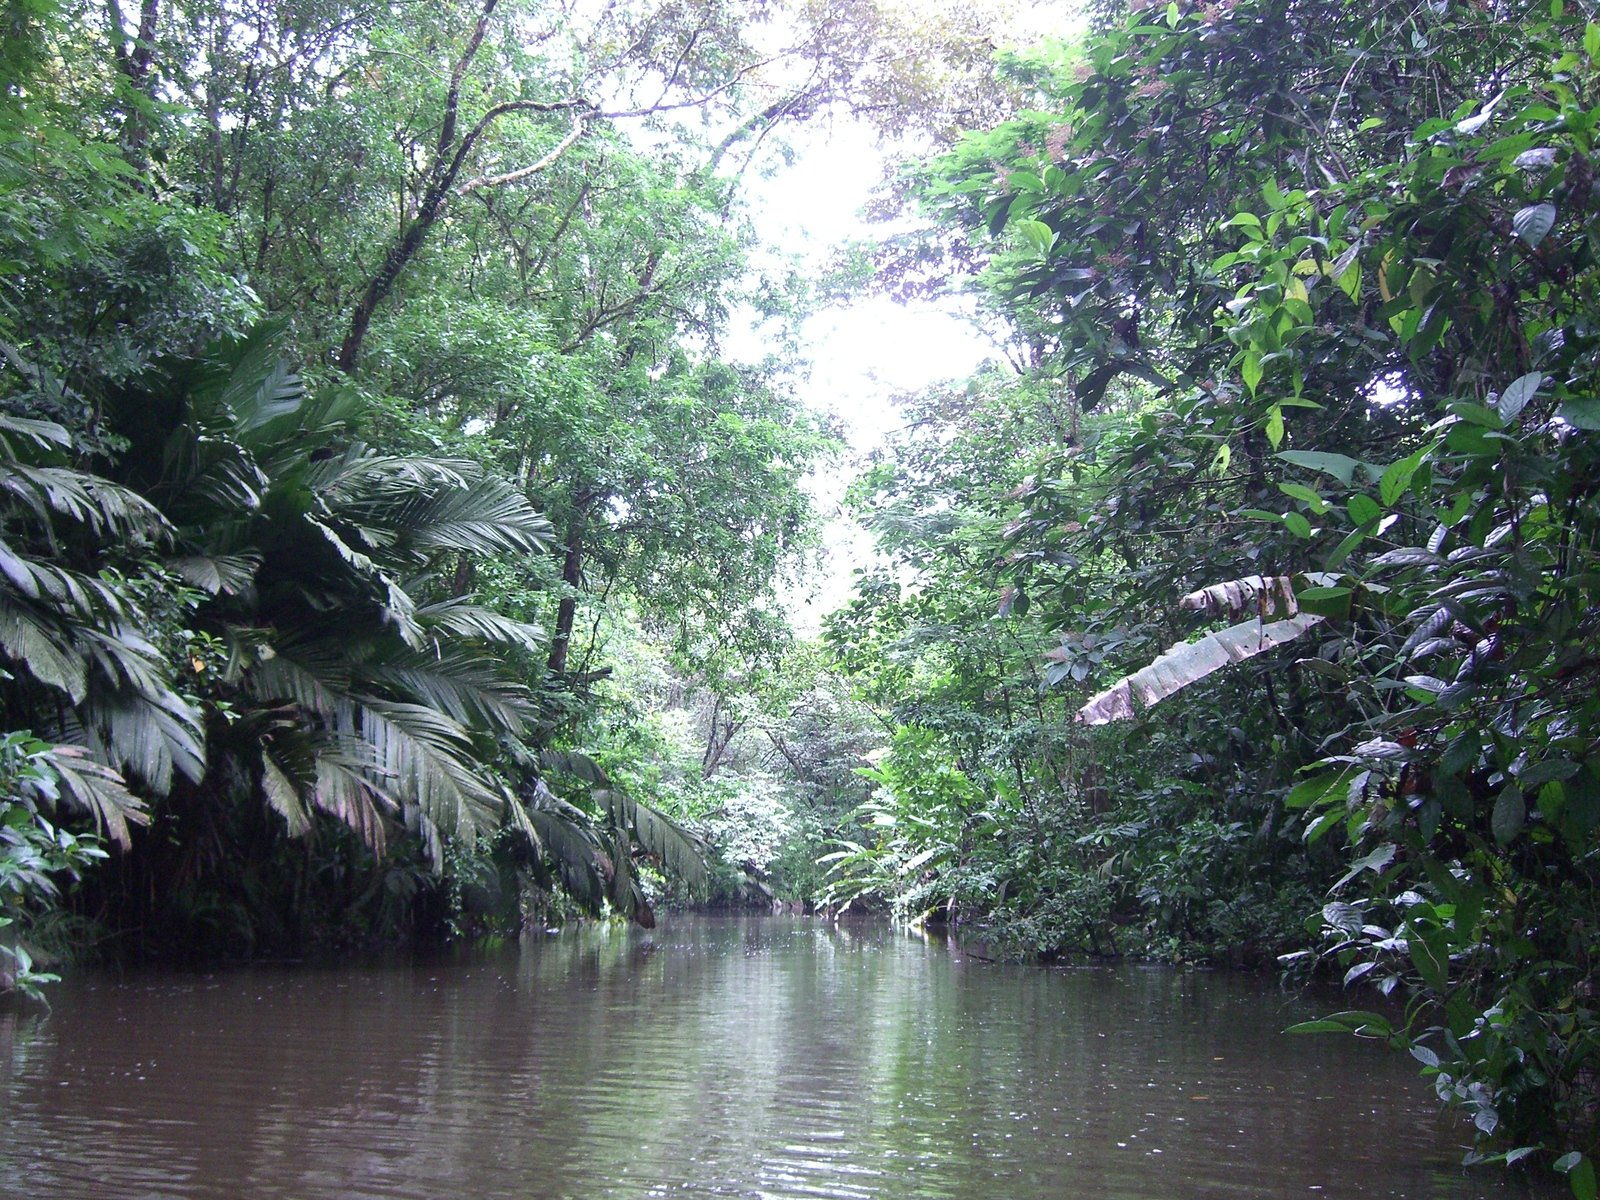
x: 742, y: 1057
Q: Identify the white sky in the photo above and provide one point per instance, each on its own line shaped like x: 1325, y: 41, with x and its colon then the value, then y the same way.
x: 862, y: 353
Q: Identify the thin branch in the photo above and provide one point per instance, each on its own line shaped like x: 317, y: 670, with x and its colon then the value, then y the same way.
x: 532, y: 169
x: 699, y: 101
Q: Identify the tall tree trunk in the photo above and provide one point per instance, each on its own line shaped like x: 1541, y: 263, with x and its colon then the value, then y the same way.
x: 567, y: 611
x: 135, y: 63
x: 450, y: 155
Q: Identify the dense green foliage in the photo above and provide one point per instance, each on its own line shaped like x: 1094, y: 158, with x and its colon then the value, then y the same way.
x: 363, y: 407
x: 1301, y: 301
x: 389, y: 544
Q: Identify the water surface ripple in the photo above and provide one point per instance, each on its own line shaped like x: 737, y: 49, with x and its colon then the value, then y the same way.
x: 769, y: 1058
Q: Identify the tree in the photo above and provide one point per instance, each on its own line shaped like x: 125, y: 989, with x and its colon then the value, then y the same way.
x: 1355, y: 269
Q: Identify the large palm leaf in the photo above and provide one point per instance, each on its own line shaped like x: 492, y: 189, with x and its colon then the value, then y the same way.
x: 320, y: 555
x: 83, y: 671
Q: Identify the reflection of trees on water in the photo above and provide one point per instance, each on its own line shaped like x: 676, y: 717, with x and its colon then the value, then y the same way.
x: 738, y: 1056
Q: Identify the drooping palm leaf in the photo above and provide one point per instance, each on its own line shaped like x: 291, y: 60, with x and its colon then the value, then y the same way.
x: 346, y: 791
x: 100, y: 506
x: 577, y: 764
x: 426, y: 505
x: 20, y: 436
x: 567, y: 836
x: 428, y: 759
x: 98, y: 790
x: 246, y: 385
x: 72, y: 595
x: 372, y: 706
x: 674, y: 847
x: 461, y: 618
x: 284, y: 796
x: 35, y: 643
x: 207, y: 475
x: 216, y: 574
x: 471, y: 688
x: 486, y: 517
x: 150, y: 736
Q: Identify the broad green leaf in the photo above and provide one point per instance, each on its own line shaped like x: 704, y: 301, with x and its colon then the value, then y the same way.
x: 1274, y: 425
x: 1517, y: 394
x: 1510, y: 813
x: 1424, y: 1056
x: 1333, y: 602
x: 1298, y: 491
x: 1039, y: 237
x: 1251, y: 372
x: 1349, y: 281
x: 1429, y: 954
x: 1581, y: 413
x: 1363, y: 508
x: 1320, y: 789
x: 1576, y: 1166
x: 1363, y: 1024
x: 1374, y: 861
x: 1340, y: 466
x: 1397, y: 477
x: 1534, y: 222
x: 1322, y: 824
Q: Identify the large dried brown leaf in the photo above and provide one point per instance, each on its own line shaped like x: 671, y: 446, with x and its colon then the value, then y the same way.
x: 1189, y: 662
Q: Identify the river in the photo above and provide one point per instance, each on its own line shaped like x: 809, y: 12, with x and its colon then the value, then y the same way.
x: 726, y: 1057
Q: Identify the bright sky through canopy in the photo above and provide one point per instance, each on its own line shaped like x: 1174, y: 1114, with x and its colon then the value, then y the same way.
x: 865, y: 351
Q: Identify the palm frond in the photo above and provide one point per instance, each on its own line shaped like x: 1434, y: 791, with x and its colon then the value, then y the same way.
x: 204, y: 473
x: 431, y: 504
x: 102, y: 507
x: 469, y: 687
x: 99, y: 791
x: 566, y: 836
x: 70, y: 594
x: 673, y: 846
x: 16, y: 432
x: 346, y: 791
x: 427, y: 760
x: 623, y: 889
x: 359, y: 477
x: 148, y: 736
x: 577, y: 764
x: 40, y: 647
x: 461, y: 618
x: 354, y: 558
x: 246, y: 384
x: 283, y: 796
x: 486, y: 517
x: 216, y: 574
x: 309, y: 673
x: 124, y: 658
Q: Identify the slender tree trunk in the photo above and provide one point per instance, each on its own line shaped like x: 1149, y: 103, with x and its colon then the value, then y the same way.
x: 567, y: 611
x: 382, y: 283
x: 135, y: 64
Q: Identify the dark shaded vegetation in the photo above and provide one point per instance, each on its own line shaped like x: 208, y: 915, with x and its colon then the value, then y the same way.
x: 389, y: 547
x: 1251, y: 611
